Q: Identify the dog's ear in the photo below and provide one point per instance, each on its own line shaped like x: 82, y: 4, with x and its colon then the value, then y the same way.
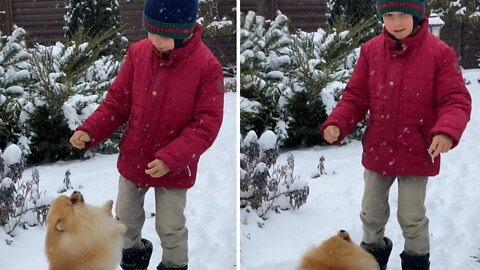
x: 107, y: 207
x: 59, y: 226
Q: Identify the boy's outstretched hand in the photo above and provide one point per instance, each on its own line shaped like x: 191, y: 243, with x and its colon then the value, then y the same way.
x: 157, y: 168
x: 331, y: 133
x: 79, y: 138
x: 440, y: 144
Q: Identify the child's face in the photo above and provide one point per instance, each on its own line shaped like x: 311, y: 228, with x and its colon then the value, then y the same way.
x: 162, y: 44
x: 398, y: 24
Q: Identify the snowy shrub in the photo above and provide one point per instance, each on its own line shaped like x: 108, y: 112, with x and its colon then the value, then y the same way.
x: 69, y: 83
x: 265, y: 186
x: 13, y: 163
x: 265, y: 61
x: 14, y: 76
x: 66, y: 184
x: 21, y: 202
x: 230, y: 84
x: 93, y: 17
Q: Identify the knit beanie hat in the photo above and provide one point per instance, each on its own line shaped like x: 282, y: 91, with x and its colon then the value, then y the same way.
x: 170, y: 18
x: 414, y: 7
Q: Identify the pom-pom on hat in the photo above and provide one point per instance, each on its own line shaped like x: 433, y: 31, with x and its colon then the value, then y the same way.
x: 414, y: 7
x: 170, y: 18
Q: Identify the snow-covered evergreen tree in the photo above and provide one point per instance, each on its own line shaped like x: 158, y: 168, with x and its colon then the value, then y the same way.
x: 68, y: 85
x: 322, y: 63
x: 265, y: 61
x: 96, y: 17
x: 46, y: 92
x: 290, y: 83
x: 14, y: 76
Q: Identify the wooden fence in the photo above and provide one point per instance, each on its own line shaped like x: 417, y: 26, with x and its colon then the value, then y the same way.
x: 44, y: 20
x: 308, y: 15
x: 465, y: 40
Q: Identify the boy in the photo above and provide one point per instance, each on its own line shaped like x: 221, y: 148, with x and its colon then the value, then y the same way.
x: 411, y: 83
x: 170, y: 90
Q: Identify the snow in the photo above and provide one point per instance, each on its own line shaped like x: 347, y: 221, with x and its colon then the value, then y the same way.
x: 6, y: 183
x: 211, y: 204
x: 461, y: 11
x: 220, y: 24
x: 434, y: 19
x: 475, y: 14
x: 267, y: 141
x: 19, y: 75
x: 249, y: 106
x: 250, y: 138
x: 335, y: 199
x: 275, y: 75
x: 14, y: 90
x: 455, y: 3
x: 12, y: 155
x: 328, y: 95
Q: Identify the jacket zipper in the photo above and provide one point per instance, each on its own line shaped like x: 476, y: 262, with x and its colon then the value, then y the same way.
x: 428, y: 156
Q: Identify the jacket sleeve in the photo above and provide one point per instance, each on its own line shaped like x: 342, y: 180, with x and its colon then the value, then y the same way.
x: 114, y: 111
x: 200, y: 134
x: 452, y: 98
x: 353, y: 105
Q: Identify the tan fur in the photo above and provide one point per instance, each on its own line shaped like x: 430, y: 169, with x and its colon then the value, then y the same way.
x: 338, y: 253
x: 81, y: 236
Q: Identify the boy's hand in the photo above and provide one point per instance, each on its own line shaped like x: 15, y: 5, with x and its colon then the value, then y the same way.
x: 157, y: 168
x: 440, y: 144
x: 331, y: 133
x: 79, y: 138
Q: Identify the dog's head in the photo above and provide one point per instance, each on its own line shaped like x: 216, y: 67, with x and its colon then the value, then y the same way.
x: 62, y: 211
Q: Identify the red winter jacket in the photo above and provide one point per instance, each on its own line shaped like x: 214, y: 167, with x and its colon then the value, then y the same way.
x: 414, y: 90
x: 174, y: 107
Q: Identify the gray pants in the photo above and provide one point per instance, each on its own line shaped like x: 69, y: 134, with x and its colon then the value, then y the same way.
x: 410, y: 214
x: 169, y: 219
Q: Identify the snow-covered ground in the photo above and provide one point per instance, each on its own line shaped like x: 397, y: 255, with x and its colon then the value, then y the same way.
x: 334, y: 204
x: 211, y: 204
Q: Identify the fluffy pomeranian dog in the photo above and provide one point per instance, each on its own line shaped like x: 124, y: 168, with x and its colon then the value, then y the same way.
x: 338, y: 253
x: 81, y: 236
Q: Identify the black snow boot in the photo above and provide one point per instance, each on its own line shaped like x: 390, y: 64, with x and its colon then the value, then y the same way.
x: 410, y: 262
x: 380, y: 254
x: 163, y: 267
x: 137, y: 258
